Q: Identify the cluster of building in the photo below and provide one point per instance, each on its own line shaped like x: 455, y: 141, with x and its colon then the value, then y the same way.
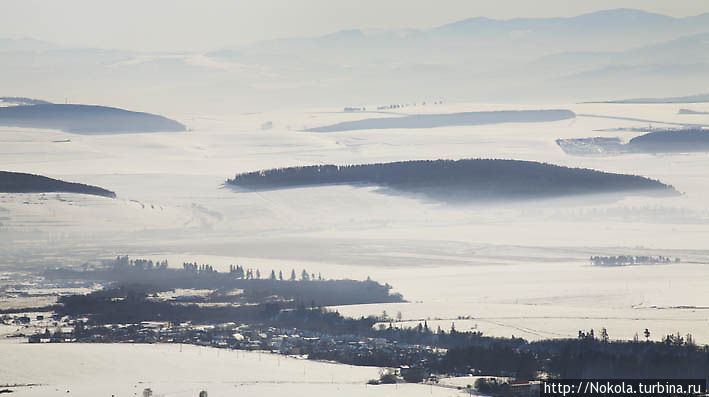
x: 41, y: 328
x: 38, y: 327
x: 288, y: 341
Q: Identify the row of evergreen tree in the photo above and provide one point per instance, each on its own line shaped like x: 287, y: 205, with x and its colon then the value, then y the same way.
x: 124, y: 262
x: 195, y: 268
x: 621, y: 260
x: 251, y: 274
x: 238, y: 271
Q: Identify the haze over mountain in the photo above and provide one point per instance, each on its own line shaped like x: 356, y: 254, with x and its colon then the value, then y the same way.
x: 626, y: 28
x: 604, y: 54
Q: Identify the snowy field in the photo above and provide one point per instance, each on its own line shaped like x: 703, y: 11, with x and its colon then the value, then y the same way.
x: 174, y: 370
x: 518, y: 270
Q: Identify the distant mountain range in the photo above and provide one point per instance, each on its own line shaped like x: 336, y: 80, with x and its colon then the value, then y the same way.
x: 605, y: 54
x: 32, y: 113
x: 476, y: 180
x: 606, y: 23
x: 16, y: 182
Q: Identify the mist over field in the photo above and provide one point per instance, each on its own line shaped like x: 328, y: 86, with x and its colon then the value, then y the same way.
x: 474, y: 166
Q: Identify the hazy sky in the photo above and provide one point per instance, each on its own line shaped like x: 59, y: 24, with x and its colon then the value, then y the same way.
x: 211, y: 24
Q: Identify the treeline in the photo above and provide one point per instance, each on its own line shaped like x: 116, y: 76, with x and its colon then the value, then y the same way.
x: 625, y: 260
x: 124, y: 262
x: 399, y: 106
x: 498, y: 359
x: 131, y: 304
x: 249, y: 274
x: 587, y: 356
x: 593, y: 358
x: 308, y: 288
x: 17, y: 182
x: 462, y: 179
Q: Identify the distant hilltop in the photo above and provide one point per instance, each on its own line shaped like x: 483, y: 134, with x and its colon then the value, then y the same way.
x: 451, y: 119
x: 661, y: 141
x: 667, y: 141
x: 81, y: 119
x: 458, y: 180
x: 17, y: 182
